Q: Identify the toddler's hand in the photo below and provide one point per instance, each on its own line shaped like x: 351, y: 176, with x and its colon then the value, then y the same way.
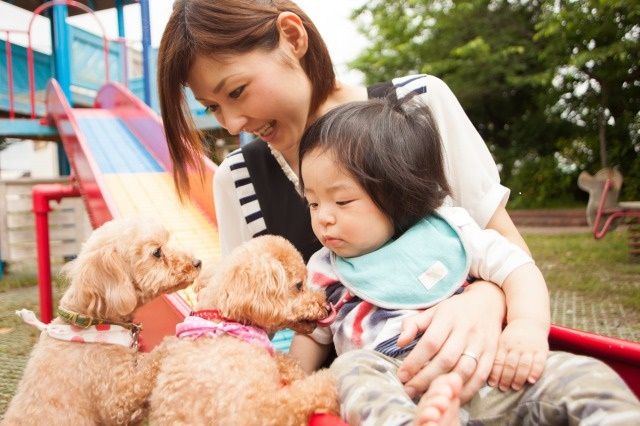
x: 522, y: 352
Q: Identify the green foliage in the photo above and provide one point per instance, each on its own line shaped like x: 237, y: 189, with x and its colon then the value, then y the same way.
x: 539, y: 183
x: 557, y: 81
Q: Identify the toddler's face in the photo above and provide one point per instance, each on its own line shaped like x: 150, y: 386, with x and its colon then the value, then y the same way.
x: 343, y: 216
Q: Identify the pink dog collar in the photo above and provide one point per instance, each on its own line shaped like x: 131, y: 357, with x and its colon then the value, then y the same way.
x: 194, y: 327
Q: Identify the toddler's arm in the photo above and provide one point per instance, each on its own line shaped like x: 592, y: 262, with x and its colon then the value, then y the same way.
x: 309, y: 353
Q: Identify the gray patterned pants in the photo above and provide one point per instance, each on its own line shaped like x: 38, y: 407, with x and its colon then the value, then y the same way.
x: 574, y: 390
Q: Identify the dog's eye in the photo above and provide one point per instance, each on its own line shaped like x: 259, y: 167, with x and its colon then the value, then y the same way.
x: 157, y: 253
x: 299, y: 286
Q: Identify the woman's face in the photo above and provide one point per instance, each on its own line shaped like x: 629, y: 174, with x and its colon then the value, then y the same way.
x: 266, y: 93
x: 343, y: 216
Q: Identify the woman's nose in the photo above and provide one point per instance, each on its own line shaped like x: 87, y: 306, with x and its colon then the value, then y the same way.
x: 233, y: 122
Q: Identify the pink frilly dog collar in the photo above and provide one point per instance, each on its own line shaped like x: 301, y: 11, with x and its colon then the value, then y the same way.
x: 195, y: 326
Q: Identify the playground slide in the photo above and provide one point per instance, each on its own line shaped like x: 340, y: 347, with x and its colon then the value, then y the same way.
x: 120, y: 160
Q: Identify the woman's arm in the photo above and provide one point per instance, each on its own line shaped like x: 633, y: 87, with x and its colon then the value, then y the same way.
x: 469, y: 322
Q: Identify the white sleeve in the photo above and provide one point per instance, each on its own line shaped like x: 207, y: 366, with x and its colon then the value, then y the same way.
x: 232, y: 226
x: 493, y: 257
x: 471, y: 170
x: 322, y: 335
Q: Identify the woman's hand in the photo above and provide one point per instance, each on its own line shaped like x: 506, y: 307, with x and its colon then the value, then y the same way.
x: 460, y: 334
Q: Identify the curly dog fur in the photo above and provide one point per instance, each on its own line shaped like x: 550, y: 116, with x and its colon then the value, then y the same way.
x: 124, y: 264
x: 225, y: 380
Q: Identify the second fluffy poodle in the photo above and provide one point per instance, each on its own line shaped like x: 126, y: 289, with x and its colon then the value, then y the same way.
x: 222, y: 368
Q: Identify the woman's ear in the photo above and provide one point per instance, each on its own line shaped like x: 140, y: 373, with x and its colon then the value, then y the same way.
x: 293, y: 32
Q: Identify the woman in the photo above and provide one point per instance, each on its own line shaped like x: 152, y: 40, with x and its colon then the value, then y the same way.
x: 260, y: 66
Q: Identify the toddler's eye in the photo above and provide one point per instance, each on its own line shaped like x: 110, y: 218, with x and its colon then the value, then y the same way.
x: 312, y: 205
x: 157, y: 253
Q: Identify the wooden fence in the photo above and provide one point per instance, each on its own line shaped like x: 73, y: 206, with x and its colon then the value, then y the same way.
x: 68, y: 222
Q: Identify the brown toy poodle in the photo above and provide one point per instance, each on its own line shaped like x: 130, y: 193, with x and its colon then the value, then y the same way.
x: 86, y: 369
x: 221, y: 369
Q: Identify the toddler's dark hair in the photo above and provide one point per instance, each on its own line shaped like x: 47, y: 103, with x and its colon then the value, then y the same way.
x: 392, y: 148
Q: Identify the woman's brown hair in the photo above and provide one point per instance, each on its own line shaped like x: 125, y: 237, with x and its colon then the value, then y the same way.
x: 222, y: 28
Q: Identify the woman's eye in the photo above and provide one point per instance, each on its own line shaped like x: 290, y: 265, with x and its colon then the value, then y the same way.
x: 312, y: 205
x: 211, y: 109
x: 343, y: 203
x: 157, y: 253
x: 236, y: 93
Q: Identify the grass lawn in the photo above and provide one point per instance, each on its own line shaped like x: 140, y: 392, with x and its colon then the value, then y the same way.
x: 597, y: 269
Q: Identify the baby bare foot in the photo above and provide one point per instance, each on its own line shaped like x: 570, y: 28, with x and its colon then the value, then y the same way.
x: 440, y: 405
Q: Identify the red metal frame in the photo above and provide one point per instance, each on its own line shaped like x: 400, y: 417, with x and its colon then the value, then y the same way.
x: 42, y: 194
x: 619, y: 354
x: 38, y: 11
x: 12, y: 113
x: 101, y: 207
x: 612, y: 213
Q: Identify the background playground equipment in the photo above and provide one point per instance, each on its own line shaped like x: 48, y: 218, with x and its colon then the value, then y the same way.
x: 605, y: 212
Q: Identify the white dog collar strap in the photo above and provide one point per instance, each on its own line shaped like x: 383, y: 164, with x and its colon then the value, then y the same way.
x: 103, y: 333
x: 194, y: 327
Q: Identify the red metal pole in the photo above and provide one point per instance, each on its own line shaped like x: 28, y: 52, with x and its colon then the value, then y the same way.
x: 42, y: 194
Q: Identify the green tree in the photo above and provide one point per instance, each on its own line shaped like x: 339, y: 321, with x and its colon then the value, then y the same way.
x: 504, y: 62
x: 595, y: 48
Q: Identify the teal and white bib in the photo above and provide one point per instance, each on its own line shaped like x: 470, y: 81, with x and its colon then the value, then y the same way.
x: 426, y: 265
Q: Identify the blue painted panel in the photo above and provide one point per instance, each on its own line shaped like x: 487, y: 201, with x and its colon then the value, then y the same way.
x: 43, y: 71
x: 87, y: 57
x: 87, y: 72
x: 115, y: 148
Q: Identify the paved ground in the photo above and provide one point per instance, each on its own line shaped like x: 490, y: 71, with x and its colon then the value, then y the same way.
x: 17, y: 339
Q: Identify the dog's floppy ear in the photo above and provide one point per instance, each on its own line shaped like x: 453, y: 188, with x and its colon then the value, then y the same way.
x: 100, y: 284
x: 253, y: 290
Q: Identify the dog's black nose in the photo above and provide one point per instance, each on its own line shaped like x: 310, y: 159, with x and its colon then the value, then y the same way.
x: 197, y: 263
